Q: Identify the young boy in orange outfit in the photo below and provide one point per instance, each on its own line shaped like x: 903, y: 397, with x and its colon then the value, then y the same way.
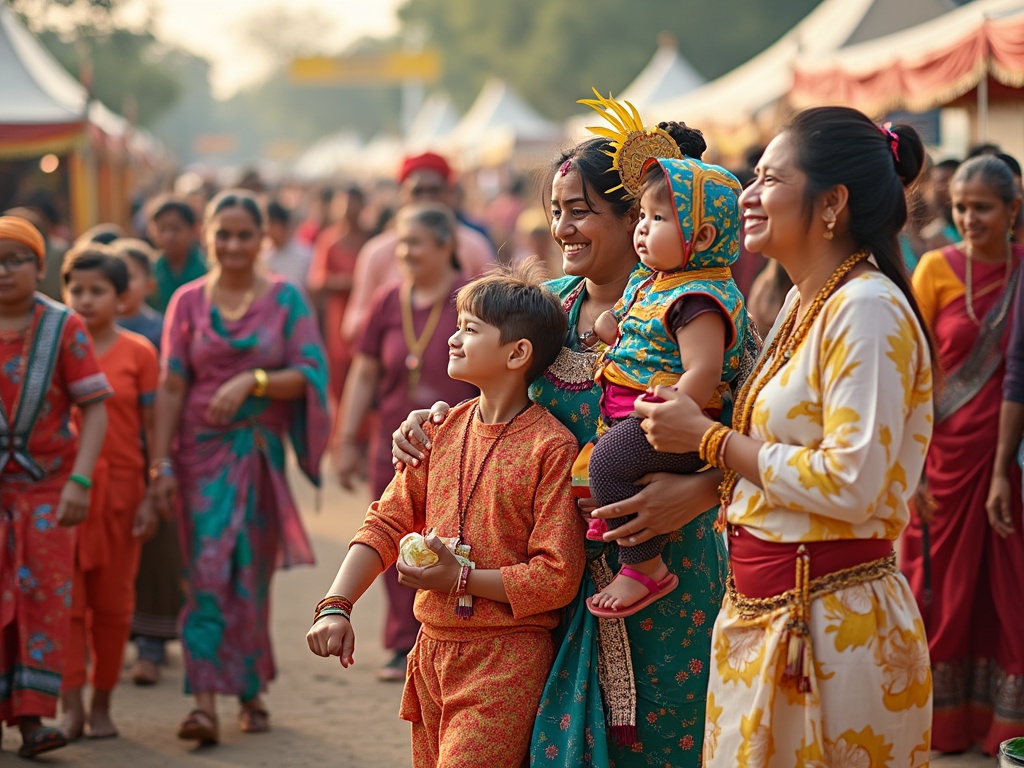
x: 107, y: 552
x: 496, y: 488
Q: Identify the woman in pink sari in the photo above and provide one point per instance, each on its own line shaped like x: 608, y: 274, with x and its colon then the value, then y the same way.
x: 243, y: 370
x: 966, y: 575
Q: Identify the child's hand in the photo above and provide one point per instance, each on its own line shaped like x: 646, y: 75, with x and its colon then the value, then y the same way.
x: 161, y: 493
x: 442, y: 576
x: 349, y: 460
x: 144, y: 526
x: 333, y: 636
x: 409, y: 443
x: 73, y: 506
x: 229, y: 398
x: 607, y: 327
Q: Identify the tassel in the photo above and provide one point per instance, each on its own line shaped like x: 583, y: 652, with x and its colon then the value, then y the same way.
x: 798, y: 641
x: 625, y: 735
x: 464, y: 608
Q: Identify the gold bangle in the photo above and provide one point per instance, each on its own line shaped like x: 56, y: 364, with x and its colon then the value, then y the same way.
x: 709, y: 442
x: 722, y: 448
x: 262, y: 382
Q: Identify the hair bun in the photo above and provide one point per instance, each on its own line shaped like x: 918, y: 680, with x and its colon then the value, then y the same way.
x: 690, y: 140
x: 910, y: 155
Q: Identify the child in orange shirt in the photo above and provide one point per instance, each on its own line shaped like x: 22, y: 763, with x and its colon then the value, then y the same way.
x: 108, y: 545
x: 496, y: 488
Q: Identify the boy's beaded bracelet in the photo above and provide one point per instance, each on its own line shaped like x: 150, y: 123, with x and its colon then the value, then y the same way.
x: 460, y: 589
x: 161, y: 468
x: 81, y: 480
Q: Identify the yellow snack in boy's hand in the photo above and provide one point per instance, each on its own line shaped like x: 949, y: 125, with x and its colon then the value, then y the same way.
x: 414, y: 551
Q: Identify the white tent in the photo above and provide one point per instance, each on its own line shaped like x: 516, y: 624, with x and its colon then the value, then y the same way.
x: 436, y: 119
x: 328, y: 157
x: 499, y: 124
x: 734, y: 101
x: 667, y: 76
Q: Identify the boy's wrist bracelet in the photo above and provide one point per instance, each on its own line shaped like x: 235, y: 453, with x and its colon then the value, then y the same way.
x: 161, y: 468
x: 81, y: 480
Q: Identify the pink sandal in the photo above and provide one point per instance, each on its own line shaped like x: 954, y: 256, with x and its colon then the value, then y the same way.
x: 655, y: 590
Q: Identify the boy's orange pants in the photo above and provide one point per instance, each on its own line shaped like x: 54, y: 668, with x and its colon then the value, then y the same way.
x: 472, y: 703
x: 103, y: 592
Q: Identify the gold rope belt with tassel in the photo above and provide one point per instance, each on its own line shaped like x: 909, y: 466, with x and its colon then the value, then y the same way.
x: 798, y: 600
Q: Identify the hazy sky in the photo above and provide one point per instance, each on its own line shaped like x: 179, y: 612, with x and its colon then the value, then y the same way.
x: 210, y: 29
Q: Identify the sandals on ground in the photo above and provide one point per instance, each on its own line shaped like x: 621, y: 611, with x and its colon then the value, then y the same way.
x: 199, y: 726
x: 253, y: 719
x: 43, y: 739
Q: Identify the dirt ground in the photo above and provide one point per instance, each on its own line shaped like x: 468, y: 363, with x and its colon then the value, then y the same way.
x: 321, y: 715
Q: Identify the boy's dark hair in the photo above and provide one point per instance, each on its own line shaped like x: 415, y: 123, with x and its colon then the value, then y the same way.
x: 138, y: 251
x: 174, y: 205
x: 278, y: 213
x: 96, y: 258
x: 512, y: 299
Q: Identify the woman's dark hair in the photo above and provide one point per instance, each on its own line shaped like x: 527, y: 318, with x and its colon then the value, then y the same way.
x: 235, y: 198
x: 591, y: 160
x: 839, y: 145
x: 175, y: 205
x: 993, y: 172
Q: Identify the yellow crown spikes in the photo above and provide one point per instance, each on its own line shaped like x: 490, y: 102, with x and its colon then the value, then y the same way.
x: 633, y: 144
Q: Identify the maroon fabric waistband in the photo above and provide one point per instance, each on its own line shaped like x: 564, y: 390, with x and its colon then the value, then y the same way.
x: 767, y: 568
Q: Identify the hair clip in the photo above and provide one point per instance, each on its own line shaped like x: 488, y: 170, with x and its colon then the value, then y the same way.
x: 894, y: 139
x: 566, y: 167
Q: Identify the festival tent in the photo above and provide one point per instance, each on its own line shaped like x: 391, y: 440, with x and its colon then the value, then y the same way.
x: 971, y: 56
x: 730, y: 108
x: 43, y: 111
x: 435, y: 120
x: 666, y: 76
x: 500, y: 127
x: 329, y: 157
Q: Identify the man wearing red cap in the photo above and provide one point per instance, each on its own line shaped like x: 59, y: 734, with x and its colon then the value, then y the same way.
x: 422, y: 179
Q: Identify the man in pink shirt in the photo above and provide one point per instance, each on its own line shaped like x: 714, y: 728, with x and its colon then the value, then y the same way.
x: 421, y: 178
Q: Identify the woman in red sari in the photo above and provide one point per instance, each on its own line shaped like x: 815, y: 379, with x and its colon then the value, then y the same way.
x: 47, y: 368
x: 969, y: 581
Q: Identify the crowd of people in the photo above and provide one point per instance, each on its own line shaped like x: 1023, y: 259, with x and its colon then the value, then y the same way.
x: 689, y: 466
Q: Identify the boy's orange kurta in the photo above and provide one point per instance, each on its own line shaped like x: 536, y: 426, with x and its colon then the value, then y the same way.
x: 474, y: 684
x: 103, y: 596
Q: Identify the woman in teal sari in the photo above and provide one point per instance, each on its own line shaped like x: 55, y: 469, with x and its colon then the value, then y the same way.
x: 629, y: 692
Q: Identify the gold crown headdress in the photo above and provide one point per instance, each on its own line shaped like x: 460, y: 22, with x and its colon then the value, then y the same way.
x: 633, y: 144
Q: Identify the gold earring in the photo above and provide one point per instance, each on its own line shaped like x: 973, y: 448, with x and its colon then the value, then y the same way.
x: 829, y: 234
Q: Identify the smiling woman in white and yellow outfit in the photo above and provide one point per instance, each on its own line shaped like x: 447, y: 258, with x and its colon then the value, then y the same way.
x: 819, y: 653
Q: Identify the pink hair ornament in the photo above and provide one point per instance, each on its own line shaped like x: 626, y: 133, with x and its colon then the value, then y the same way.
x: 894, y: 139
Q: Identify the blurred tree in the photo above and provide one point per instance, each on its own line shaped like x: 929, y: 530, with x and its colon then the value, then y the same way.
x: 126, y: 70
x: 553, y: 51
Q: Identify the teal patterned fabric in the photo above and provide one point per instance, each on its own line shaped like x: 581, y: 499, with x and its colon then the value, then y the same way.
x: 670, y: 641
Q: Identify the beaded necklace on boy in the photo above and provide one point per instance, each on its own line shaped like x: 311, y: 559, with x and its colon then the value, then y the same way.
x: 785, y: 343
x: 413, y: 343
x: 465, y: 607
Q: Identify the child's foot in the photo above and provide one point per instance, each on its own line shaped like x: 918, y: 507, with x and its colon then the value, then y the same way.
x: 73, y: 719
x: 632, y: 590
x: 100, y: 725
x: 145, y: 672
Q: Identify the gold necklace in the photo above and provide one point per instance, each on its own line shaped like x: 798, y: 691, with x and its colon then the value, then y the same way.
x: 969, y: 286
x: 238, y: 312
x: 417, y: 344
x: 785, y: 343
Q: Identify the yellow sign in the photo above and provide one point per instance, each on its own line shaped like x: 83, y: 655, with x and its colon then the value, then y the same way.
x: 366, y: 69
